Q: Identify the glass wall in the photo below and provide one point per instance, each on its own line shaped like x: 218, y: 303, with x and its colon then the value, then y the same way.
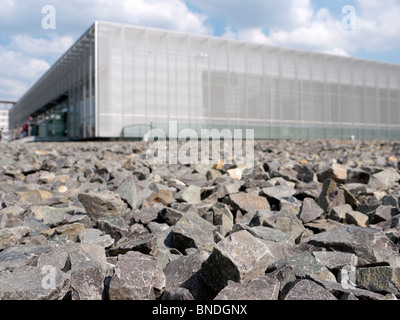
x: 117, y: 80
x: 62, y: 102
x: 149, y: 76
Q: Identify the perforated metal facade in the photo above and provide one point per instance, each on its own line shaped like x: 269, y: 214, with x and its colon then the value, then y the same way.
x: 120, y: 80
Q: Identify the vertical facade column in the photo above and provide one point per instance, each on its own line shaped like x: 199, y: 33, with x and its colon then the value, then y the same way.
x: 123, y: 76
x: 378, y: 109
x: 189, y: 51
x: 146, y: 52
x: 96, y: 85
x: 168, y: 78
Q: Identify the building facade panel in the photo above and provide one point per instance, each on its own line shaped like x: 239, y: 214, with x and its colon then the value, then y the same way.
x: 121, y: 80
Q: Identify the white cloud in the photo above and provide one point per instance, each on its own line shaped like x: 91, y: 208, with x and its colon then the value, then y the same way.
x: 27, y: 49
x: 18, y: 71
x: 11, y: 88
x: 54, y: 46
x: 20, y: 66
x: 321, y: 30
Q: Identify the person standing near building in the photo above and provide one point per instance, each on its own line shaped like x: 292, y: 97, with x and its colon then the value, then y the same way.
x: 30, y: 126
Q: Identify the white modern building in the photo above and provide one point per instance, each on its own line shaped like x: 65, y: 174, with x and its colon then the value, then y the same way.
x: 118, y: 80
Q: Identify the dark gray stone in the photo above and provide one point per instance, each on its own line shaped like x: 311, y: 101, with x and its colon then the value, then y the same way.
x: 338, y: 289
x: 309, y: 210
x: 171, y: 216
x: 382, y: 213
x: 38, y: 284
x: 128, y: 192
x: 246, y: 202
x: 305, y: 290
x: 337, y: 172
x: 184, y: 272
x: 100, y: 205
x: 276, y: 193
x: 192, y: 231
x: 335, y: 259
x: 115, y: 226
x: 239, y: 257
x: 136, y: 277
x: 146, y: 215
x: 304, y: 264
x: 369, y: 245
x: 146, y: 244
x: 384, y: 279
x: 177, y: 294
x: 262, y: 288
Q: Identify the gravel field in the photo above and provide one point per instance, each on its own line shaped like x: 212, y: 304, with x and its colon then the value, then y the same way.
x: 313, y: 220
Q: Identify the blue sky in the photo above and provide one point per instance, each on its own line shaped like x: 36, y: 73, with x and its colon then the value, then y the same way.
x: 27, y: 50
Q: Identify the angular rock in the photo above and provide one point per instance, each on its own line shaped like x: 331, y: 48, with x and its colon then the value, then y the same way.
x: 146, y: 244
x: 335, y: 259
x: 239, y: 257
x: 322, y: 225
x: 358, y: 176
x: 21, y: 255
x: 222, y: 217
x: 146, y: 215
x: 171, y: 216
x: 304, y: 264
x: 164, y: 197
x: 383, y: 279
x: 357, y: 218
x: 286, y: 222
x: 128, y: 192
x: 226, y: 189
x: 309, y: 210
x: 327, y: 195
x: 94, y: 236
x: 136, y: 277
x: 339, y: 289
x: 51, y: 216
x: 10, y: 236
x: 369, y: 245
x: 192, y: 231
x: 115, y: 226
x: 184, y: 272
x: 86, y: 273
x: 262, y: 288
x: 100, y: 205
x: 276, y: 193
x: 384, y: 180
x: 190, y: 194
x: 382, y: 213
x: 337, y: 172
x: 306, y: 290
x: 266, y: 233
x: 35, y: 226
x: 38, y: 284
x: 34, y: 196
x: 71, y: 231
x: 339, y: 213
x: 247, y: 202
x: 177, y: 294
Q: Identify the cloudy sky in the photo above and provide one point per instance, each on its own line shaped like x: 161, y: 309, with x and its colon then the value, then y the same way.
x: 27, y: 50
